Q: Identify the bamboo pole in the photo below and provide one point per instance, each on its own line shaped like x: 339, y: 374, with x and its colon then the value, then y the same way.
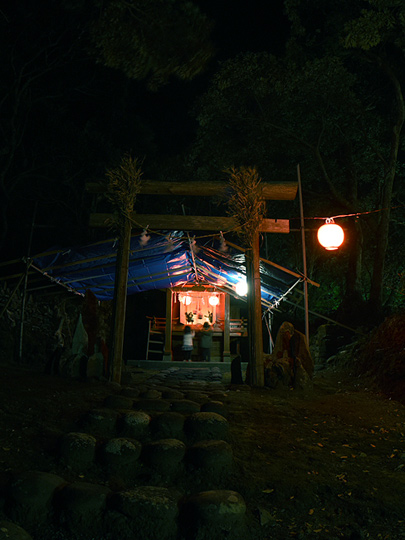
x: 271, y: 263
x: 304, y: 256
x: 24, y: 293
x: 226, y: 354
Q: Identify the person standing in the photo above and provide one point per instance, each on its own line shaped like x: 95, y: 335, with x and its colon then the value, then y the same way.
x: 206, y: 342
x: 187, y: 343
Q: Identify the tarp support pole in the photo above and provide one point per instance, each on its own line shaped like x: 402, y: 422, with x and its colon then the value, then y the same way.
x: 24, y: 292
x: 267, y: 321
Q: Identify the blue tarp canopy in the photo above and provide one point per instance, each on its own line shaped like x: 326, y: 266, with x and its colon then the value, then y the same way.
x: 159, y: 261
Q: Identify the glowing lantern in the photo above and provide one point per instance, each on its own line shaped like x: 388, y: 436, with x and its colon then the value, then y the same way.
x: 330, y: 235
x: 186, y: 300
x: 241, y: 288
x: 213, y: 300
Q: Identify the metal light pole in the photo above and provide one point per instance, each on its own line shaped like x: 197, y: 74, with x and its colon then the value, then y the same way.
x: 304, y: 256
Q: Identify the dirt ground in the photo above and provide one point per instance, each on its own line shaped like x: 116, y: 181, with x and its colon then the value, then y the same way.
x: 328, y: 463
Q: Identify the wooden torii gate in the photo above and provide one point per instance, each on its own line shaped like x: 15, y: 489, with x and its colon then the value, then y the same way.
x: 270, y: 191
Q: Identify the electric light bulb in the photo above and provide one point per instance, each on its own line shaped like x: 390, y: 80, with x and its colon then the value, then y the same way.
x: 241, y: 288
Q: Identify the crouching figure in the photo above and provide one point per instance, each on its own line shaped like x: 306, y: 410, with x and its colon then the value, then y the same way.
x: 290, y: 363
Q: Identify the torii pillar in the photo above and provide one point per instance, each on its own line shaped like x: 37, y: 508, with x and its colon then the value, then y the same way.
x: 120, y: 302
x: 226, y: 354
x: 254, y: 300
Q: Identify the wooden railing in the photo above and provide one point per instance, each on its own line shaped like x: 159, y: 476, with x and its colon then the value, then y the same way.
x: 158, y: 324
x: 237, y: 326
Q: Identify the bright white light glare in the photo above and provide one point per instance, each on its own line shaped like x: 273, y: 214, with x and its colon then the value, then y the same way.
x: 241, y: 288
x: 330, y: 235
x: 213, y: 300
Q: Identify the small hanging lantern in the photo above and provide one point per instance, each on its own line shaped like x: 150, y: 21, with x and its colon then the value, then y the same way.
x: 186, y: 300
x: 213, y: 300
x: 330, y: 235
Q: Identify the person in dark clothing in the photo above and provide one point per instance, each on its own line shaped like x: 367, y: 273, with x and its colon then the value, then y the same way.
x: 236, y: 370
x: 206, y: 342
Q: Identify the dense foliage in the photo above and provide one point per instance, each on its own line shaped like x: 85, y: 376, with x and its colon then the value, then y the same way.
x: 67, y: 116
x: 333, y: 103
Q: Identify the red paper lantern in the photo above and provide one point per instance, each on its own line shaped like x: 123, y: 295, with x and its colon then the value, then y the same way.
x: 330, y: 235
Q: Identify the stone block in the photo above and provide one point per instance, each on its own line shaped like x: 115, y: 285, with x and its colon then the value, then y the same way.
x: 206, y: 426
x: 144, y: 513
x: 77, y: 450
x: 80, y: 507
x: 185, y: 406
x: 168, y: 425
x: 120, y: 456
x: 100, y: 422
x: 214, y: 515
x: 216, y: 407
x: 212, y: 458
x: 29, y: 499
x: 164, y: 456
x: 134, y: 424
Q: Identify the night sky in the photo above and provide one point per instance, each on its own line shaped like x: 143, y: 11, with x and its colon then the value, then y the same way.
x: 239, y: 27
x: 83, y: 95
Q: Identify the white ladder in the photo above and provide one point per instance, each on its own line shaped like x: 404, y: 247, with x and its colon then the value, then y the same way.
x: 155, y: 343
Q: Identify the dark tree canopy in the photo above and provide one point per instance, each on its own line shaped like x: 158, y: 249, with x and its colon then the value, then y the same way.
x: 66, y: 119
x: 333, y: 103
x: 153, y: 39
